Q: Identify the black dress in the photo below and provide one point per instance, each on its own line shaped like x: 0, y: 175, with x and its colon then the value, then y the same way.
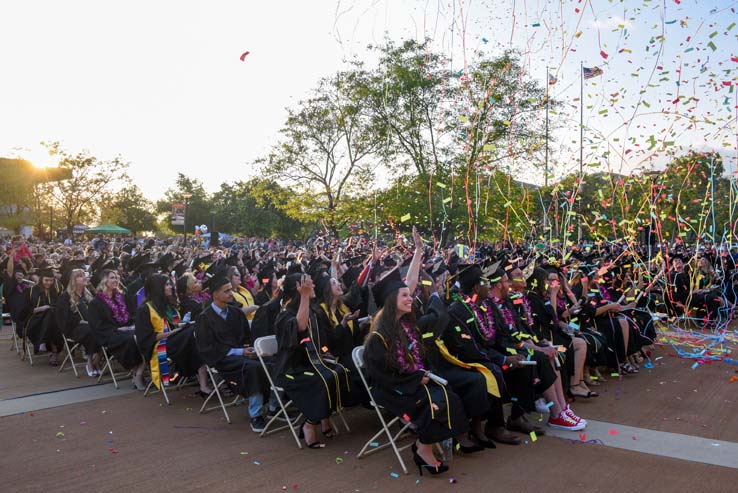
x: 316, y: 387
x: 73, y: 322
x: 215, y: 337
x: 191, y: 306
x: 40, y: 327
x: 181, y: 348
x: 105, y: 329
x: 436, y: 412
x: 13, y: 293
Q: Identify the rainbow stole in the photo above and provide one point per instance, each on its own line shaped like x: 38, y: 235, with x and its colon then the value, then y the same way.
x: 158, y: 363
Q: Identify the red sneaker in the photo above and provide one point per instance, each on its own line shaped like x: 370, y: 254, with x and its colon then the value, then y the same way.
x: 564, y: 422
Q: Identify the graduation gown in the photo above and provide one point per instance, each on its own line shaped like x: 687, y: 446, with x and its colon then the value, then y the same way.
x: 316, y: 387
x: 436, y: 412
x: 191, y: 306
x: 40, y: 327
x: 216, y: 336
x: 468, y: 384
x: 13, y: 293
x: 73, y: 322
x: 263, y: 323
x: 105, y: 329
x: 180, y: 345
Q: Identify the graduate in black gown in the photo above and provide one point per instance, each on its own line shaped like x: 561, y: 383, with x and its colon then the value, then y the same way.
x: 189, y: 291
x: 72, y: 316
x: 161, y: 339
x: 36, y: 315
x: 224, y: 343
x: 316, y: 386
x: 112, y: 326
x: 399, y: 372
x: 13, y: 284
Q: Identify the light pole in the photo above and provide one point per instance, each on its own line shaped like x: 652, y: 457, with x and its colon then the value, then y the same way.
x: 186, y: 196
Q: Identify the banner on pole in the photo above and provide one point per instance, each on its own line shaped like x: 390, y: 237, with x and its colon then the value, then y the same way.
x: 178, y: 214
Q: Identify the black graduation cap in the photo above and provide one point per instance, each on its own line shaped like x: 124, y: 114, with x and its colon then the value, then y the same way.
x: 180, y: 268
x: 134, y: 262
x: 45, y: 271
x: 146, y: 267
x: 294, y: 268
x: 321, y: 281
x: 128, y: 248
x: 215, y: 282
x: 351, y: 275
x: 469, y: 276
x: 266, y: 273
x: 165, y: 260
x: 204, y: 260
x: 232, y: 260
x: 98, y: 263
x: 383, y: 288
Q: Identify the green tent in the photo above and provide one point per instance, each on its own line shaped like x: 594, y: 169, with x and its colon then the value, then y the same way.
x: 109, y: 229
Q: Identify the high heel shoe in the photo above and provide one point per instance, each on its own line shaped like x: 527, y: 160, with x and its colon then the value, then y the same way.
x: 315, y: 444
x: 437, y: 469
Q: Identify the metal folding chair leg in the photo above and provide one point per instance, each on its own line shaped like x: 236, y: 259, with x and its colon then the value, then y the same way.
x: 216, y: 392
x: 69, y: 357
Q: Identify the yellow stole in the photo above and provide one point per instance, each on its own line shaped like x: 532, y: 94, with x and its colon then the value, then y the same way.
x: 244, y: 296
x: 159, y: 324
x: 489, y: 377
x: 342, y: 310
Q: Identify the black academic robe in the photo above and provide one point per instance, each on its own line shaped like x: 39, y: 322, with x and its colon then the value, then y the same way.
x: 105, y: 329
x: 263, y: 323
x: 436, y: 412
x: 131, y: 293
x: 181, y: 347
x: 73, y: 322
x: 471, y: 387
x: 191, y: 306
x: 315, y: 386
x: 216, y: 336
x: 40, y: 327
x: 13, y: 293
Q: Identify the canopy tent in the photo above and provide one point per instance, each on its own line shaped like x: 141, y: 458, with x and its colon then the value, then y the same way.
x: 109, y: 229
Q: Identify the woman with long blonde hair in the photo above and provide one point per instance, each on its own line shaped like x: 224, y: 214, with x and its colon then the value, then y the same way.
x: 71, y: 317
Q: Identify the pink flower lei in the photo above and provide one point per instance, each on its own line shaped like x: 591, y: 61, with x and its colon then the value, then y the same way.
x: 485, y: 320
x: 117, y: 305
x: 414, y: 363
x: 526, y: 308
x: 506, y: 312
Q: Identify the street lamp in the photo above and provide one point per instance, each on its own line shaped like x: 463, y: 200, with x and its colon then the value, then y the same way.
x: 186, y: 196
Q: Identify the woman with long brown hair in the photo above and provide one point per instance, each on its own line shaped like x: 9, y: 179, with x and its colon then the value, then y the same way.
x: 72, y: 318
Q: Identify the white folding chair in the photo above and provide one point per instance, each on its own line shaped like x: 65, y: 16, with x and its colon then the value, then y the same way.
x: 372, y: 445
x: 109, y: 360
x: 217, y: 382
x: 69, y: 347
x: 13, y: 336
x: 266, y: 347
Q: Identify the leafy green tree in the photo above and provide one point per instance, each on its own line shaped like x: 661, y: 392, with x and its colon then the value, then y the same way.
x: 325, y: 149
x: 130, y: 209
x: 199, y: 205
x: 78, y: 197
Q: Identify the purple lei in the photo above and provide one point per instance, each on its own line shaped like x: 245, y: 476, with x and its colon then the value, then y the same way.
x: 201, y: 297
x: 603, y: 293
x: 116, y: 305
x: 506, y: 312
x: 414, y: 363
x: 485, y: 320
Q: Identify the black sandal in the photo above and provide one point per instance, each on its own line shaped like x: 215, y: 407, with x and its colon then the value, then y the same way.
x: 327, y: 433
x: 314, y: 445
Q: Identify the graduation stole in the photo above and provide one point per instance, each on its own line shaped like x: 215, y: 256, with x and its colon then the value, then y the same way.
x: 342, y: 310
x: 246, y: 299
x: 158, y: 362
x: 489, y: 377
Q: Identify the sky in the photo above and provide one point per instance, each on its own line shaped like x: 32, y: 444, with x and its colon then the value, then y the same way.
x: 161, y: 85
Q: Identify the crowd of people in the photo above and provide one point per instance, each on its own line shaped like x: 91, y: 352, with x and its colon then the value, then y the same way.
x: 537, y: 327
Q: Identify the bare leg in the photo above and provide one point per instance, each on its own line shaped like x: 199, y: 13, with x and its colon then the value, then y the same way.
x: 202, y: 379
x: 425, y: 451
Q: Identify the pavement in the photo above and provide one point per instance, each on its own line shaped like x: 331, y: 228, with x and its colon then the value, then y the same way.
x: 670, y: 428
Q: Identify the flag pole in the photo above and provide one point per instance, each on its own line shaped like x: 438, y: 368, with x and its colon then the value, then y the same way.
x: 581, y: 147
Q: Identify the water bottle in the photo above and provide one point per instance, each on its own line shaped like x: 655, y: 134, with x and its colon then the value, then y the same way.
x: 187, y: 317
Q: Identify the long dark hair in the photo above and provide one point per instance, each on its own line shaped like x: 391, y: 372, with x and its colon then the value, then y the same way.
x: 537, y: 282
x: 154, y: 292
x: 387, y: 324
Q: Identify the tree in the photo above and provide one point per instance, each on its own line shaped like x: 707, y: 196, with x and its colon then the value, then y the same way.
x: 251, y: 208
x: 77, y: 198
x: 130, y: 209
x: 325, y: 147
